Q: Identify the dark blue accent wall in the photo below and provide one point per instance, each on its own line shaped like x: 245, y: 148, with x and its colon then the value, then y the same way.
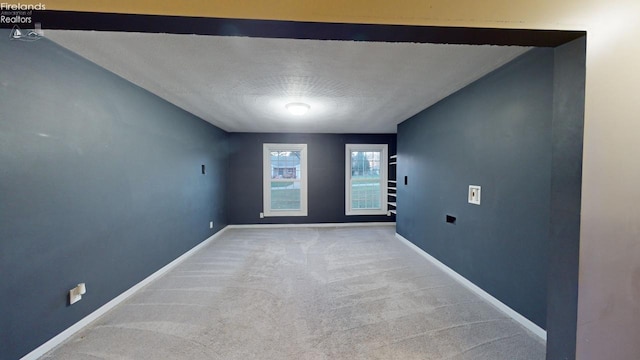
x: 495, y: 133
x: 100, y: 182
x: 566, y: 191
x: 326, y: 169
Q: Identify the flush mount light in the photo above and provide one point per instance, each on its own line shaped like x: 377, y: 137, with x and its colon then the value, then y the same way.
x: 297, y: 108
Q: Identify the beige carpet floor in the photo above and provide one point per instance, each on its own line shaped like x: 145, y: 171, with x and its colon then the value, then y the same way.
x: 304, y: 293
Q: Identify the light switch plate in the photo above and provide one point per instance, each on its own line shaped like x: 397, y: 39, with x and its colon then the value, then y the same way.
x: 474, y: 194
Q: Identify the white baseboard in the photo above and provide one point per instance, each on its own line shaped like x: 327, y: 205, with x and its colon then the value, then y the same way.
x: 60, y: 338
x: 528, y: 324
x: 311, y: 225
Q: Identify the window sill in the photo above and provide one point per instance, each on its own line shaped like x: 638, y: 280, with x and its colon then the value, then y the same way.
x: 366, y: 212
x: 284, y: 213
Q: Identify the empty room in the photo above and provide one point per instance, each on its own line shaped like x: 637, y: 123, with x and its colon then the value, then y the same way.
x: 208, y: 188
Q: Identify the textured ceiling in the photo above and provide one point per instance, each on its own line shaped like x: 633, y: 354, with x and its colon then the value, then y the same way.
x: 243, y: 84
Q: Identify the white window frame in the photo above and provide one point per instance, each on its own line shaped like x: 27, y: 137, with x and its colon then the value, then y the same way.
x: 266, y: 182
x: 384, y: 168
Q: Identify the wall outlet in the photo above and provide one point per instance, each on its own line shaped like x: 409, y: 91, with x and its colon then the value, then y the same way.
x: 76, y: 293
x: 474, y: 194
x: 210, y: 224
x: 261, y: 215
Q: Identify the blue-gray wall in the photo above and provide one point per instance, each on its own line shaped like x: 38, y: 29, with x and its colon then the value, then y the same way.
x: 100, y: 182
x: 325, y: 156
x: 495, y: 133
x: 566, y: 186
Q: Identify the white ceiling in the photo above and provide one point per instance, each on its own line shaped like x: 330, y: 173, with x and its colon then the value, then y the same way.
x: 242, y: 84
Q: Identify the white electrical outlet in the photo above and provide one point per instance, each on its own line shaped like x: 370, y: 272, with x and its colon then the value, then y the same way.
x: 261, y: 215
x: 74, y: 296
x: 210, y: 224
x: 76, y: 293
x: 474, y: 194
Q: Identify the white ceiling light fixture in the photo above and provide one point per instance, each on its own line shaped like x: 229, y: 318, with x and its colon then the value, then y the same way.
x: 298, y: 108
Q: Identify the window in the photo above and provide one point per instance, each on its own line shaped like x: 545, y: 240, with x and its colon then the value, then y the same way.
x: 285, y: 179
x: 366, y: 179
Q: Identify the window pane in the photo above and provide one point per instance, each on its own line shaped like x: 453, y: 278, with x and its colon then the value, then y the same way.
x: 285, y: 195
x: 285, y: 164
x: 365, y: 180
x: 284, y: 179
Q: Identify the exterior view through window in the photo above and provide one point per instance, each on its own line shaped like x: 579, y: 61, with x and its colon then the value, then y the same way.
x: 285, y: 179
x: 365, y: 179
